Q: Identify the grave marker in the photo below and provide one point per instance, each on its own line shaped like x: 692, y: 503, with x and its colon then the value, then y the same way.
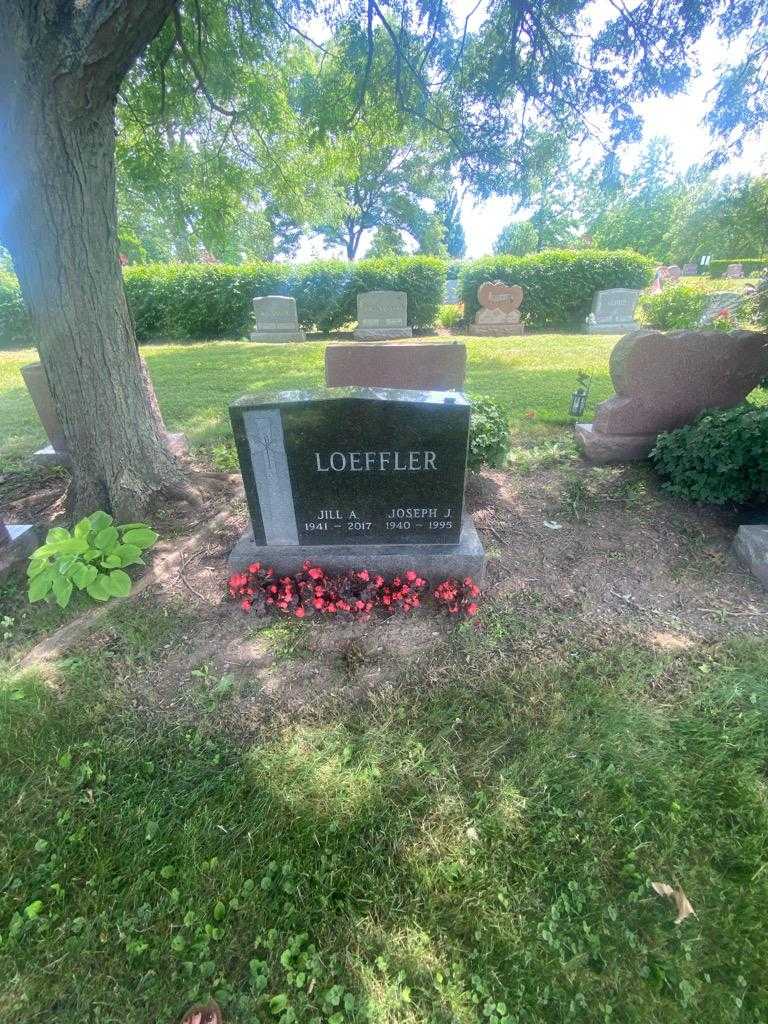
x: 381, y: 315
x: 428, y: 365
x: 664, y: 380
x: 16, y: 543
x: 356, y: 478
x: 734, y: 270
x: 613, y: 311
x: 276, y: 319
x: 499, y: 313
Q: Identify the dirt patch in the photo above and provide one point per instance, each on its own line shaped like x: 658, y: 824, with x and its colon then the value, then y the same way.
x: 580, y: 558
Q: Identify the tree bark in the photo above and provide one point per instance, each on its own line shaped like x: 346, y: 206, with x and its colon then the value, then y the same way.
x: 60, y: 224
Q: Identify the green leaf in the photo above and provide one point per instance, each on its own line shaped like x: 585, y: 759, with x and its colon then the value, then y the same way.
x: 62, y: 589
x: 99, y: 521
x: 112, y: 561
x: 106, y: 539
x: 129, y: 554
x: 83, y: 528
x: 36, y: 566
x: 118, y: 583
x: 40, y: 585
x: 98, y: 589
x: 57, y: 535
x: 132, y: 526
x: 82, y: 575
x: 219, y: 911
x: 167, y: 871
x: 142, y: 537
x: 278, y: 1003
x: 33, y: 910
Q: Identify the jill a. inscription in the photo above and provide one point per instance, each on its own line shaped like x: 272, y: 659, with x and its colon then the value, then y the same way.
x: 375, y: 462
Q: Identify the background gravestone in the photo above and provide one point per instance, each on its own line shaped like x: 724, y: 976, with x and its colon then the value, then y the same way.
x: 16, y: 542
x: 690, y: 270
x: 55, y: 452
x: 276, y: 319
x: 356, y: 478
x: 734, y: 270
x: 613, y: 311
x: 499, y: 313
x: 428, y: 365
x: 664, y: 380
x: 382, y: 315
x: 717, y: 301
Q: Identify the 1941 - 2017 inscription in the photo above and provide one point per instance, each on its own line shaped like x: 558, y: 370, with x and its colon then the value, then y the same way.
x: 354, y: 467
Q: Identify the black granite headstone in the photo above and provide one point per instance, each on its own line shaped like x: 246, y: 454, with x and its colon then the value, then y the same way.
x: 353, y: 466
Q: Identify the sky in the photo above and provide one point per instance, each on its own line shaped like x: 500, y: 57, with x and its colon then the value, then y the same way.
x: 678, y: 118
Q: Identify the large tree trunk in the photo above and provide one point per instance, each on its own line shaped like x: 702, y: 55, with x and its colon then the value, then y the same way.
x: 59, y: 221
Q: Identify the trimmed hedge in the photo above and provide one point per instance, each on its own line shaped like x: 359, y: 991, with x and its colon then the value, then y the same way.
x: 558, y: 284
x: 198, y: 300
x: 752, y: 267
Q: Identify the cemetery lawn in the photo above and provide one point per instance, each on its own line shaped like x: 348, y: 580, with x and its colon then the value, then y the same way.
x: 409, y: 821
x: 196, y: 381
x: 474, y: 842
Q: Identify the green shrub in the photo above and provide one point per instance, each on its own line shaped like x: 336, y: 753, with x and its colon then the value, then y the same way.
x: 558, y: 284
x: 722, y: 457
x: 198, y: 300
x: 752, y: 267
x: 15, y: 326
x: 677, y: 307
x: 488, y: 433
x: 450, y: 315
x: 680, y: 306
x: 93, y: 557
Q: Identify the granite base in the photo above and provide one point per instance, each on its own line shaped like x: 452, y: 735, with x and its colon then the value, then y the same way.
x: 382, y: 333
x: 277, y: 336
x: 625, y: 328
x: 436, y: 562
x: 751, y: 549
x: 50, y: 456
x: 495, y: 330
x: 16, y: 543
x: 606, y: 448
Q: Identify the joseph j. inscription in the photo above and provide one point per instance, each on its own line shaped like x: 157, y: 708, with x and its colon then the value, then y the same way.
x: 353, y: 466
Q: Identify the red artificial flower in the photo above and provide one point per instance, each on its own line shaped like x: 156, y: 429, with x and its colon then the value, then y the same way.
x: 472, y: 609
x: 299, y: 613
x: 254, y: 567
x: 245, y: 605
x: 316, y: 574
x: 363, y: 575
x: 410, y: 575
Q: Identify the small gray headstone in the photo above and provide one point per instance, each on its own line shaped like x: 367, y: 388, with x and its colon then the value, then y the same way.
x: 751, y: 548
x: 382, y: 314
x: 690, y: 270
x: 276, y: 319
x: 734, y: 270
x: 613, y: 311
x: 717, y: 301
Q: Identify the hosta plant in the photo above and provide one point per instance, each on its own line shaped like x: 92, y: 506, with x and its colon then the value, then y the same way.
x: 93, y: 556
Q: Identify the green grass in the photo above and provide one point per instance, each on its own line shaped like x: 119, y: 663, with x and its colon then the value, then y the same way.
x: 195, y: 382
x: 478, y: 852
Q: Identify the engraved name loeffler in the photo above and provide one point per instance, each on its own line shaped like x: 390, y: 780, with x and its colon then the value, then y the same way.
x: 375, y: 462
